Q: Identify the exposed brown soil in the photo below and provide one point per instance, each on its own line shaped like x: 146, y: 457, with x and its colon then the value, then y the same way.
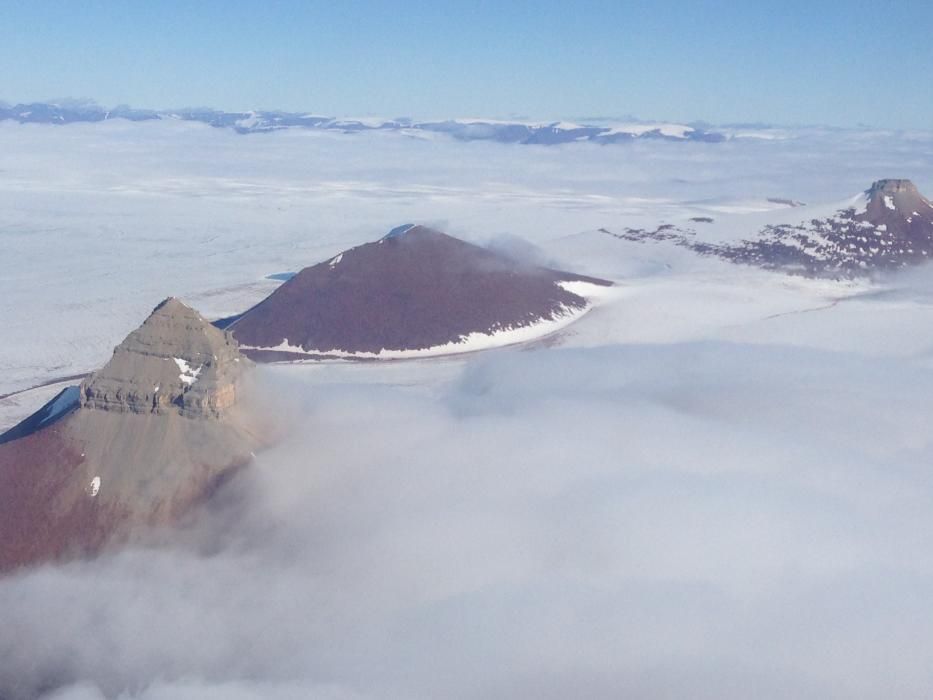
x: 415, y: 289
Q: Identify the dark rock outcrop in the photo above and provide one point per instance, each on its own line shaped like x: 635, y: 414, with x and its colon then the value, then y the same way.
x: 889, y: 226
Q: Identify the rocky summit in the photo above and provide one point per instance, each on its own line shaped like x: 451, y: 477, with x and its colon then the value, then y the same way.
x: 140, y: 443
x: 888, y: 227
x: 174, y: 362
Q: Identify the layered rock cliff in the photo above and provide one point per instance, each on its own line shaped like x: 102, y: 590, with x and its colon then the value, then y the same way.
x: 174, y: 362
x: 141, y: 442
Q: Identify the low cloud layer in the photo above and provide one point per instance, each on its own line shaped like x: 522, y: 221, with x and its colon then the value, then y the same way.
x: 709, y: 520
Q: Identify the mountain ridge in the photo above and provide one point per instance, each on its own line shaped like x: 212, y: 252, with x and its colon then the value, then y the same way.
x: 264, y: 121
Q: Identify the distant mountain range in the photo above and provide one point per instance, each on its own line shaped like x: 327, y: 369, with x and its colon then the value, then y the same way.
x: 542, y: 133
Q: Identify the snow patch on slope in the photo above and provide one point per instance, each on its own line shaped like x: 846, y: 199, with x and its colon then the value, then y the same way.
x: 677, y: 131
x: 587, y: 290
x: 472, y: 342
x: 188, y: 376
x: 398, y: 231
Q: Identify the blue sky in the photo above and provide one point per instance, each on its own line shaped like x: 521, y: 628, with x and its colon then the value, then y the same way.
x: 791, y: 62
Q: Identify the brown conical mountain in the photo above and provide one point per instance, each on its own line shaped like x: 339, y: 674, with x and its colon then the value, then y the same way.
x: 414, y: 289
x: 138, y: 443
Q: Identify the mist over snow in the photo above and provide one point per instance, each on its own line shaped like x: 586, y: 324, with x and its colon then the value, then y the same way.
x: 702, y: 519
x: 716, y: 484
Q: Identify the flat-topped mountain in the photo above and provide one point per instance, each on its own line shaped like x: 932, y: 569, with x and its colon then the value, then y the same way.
x: 889, y: 226
x: 414, y: 291
x: 899, y: 203
x: 139, y: 443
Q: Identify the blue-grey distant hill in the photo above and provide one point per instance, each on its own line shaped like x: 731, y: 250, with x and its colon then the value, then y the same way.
x: 70, y: 112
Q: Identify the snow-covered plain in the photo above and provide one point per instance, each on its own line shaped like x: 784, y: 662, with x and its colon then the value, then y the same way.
x: 101, y: 221
x: 714, y: 484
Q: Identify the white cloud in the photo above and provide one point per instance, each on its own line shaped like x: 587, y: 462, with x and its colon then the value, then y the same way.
x: 711, y: 519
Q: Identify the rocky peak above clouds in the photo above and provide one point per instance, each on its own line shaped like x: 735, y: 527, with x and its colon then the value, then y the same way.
x: 176, y: 361
x: 140, y: 443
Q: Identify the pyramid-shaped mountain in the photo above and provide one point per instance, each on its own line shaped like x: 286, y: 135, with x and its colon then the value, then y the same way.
x: 414, y: 291
x: 175, y: 361
x: 138, y: 443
